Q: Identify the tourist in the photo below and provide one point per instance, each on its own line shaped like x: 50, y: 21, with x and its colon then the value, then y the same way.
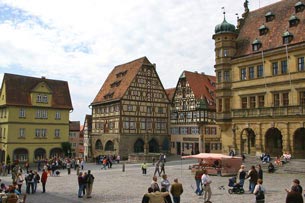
x: 44, y: 177
x: 271, y: 168
x: 162, y: 165
x: 241, y: 176
x: 259, y: 171
x: 176, y: 190
x: 29, y: 182
x: 89, y: 181
x: 81, y: 184
x: 167, y: 198
x: 259, y: 192
x: 206, y: 184
x: 145, y: 198
x: 294, y: 196
x: 296, y: 186
x: 19, y: 181
x: 157, y: 169
x: 198, y: 176
x: 68, y: 166
x: 154, y: 184
x: 36, y: 180
x: 165, y: 182
x: 253, y: 178
x: 144, y: 168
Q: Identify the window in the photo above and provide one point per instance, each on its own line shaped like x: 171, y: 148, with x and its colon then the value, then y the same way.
x: 42, y: 98
x: 252, y: 102
x: 251, y: 72
x: 302, y: 98
x: 261, y: 101
x: 183, y: 130
x: 284, y: 67
x: 22, y: 132
x: 195, y: 130
x: 285, y: 99
x: 219, y: 105
x: 40, y: 132
x: 22, y: 113
x: 39, y: 98
x: 57, y: 133
x: 41, y: 113
x: 275, y: 68
x: 299, y: 7
x: 244, y: 102
x: 149, y: 109
x: 269, y: 16
x: 276, y: 99
x: 219, y: 76
x: 243, y: 73
x: 57, y: 115
x: 227, y: 76
x: 225, y: 52
x: 129, y: 108
x: 301, y: 64
x: 227, y: 104
x: 260, y: 71
x: 160, y: 109
x: 293, y: 21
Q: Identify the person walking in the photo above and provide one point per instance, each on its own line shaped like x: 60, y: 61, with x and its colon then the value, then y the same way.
x: 206, y: 182
x: 241, y: 175
x: 259, y: 192
x: 176, y: 190
x: 44, y: 177
x: 89, y: 186
x: 162, y: 165
x: 157, y: 169
x: 198, y: 176
x: 144, y: 168
x: 253, y: 175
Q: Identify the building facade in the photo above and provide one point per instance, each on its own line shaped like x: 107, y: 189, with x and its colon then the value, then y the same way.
x: 34, y: 117
x: 130, y: 112
x: 76, y: 138
x: 87, y: 129
x: 260, y: 74
x: 193, y: 115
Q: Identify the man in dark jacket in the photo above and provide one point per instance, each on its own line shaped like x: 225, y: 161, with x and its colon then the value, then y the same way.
x: 253, y: 178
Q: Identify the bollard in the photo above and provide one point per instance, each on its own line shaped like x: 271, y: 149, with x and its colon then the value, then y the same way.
x: 123, y: 167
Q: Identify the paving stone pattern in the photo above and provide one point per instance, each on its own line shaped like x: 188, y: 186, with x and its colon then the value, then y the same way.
x: 115, y: 186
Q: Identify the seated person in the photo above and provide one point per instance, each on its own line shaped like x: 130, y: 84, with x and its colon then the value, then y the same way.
x: 4, y: 188
x: 278, y: 161
x: 266, y: 158
x: 271, y: 168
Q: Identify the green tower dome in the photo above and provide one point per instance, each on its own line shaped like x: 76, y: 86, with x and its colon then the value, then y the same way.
x: 224, y: 27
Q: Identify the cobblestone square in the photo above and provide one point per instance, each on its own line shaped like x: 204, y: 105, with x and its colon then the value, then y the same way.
x: 114, y: 186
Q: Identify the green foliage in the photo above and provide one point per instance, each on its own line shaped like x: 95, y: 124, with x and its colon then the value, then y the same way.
x: 66, y: 147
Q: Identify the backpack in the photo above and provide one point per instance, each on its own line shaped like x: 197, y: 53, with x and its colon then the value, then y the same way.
x: 260, y: 194
x: 30, y: 177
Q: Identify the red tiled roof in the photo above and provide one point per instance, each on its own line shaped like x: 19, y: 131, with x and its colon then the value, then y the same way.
x: 119, y: 80
x: 170, y: 93
x: 18, y: 89
x: 74, y: 126
x: 282, y: 10
x: 201, y: 85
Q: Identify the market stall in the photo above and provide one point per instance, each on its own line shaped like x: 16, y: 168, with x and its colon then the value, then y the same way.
x: 216, y: 164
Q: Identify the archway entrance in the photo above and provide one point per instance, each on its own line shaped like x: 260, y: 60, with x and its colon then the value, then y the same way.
x: 274, y: 142
x: 40, y: 154
x: 138, y: 146
x: 109, y: 146
x: 153, y: 146
x: 247, y: 141
x: 21, y: 154
x: 299, y: 143
x: 56, y: 153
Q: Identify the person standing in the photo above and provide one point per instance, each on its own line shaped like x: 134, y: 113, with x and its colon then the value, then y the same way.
x: 162, y: 165
x: 241, y: 175
x: 81, y: 184
x: 154, y: 184
x: 259, y: 171
x: 144, y: 168
x: 165, y: 182
x: 89, y: 180
x: 294, y: 196
x: 253, y: 178
x: 176, y: 190
x: 206, y: 186
x: 259, y: 192
x: 296, y: 186
x: 44, y: 177
x: 68, y: 166
x: 19, y: 181
x: 198, y: 176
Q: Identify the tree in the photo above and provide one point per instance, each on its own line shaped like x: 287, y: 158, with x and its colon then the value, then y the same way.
x: 66, y: 148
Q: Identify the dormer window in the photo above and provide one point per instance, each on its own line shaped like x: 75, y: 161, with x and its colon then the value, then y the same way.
x: 287, y: 37
x: 293, y: 21
x: 263, y: 30
x: 115, y: 84
x: 299, y: 7
x: 269, y: 16
x: 256, y: 45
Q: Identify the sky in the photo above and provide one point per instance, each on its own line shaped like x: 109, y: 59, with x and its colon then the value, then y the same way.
x: 81, y: 41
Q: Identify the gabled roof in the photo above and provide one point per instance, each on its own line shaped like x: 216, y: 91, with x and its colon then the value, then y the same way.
x: 282, y: 11
x: 170, y: 93
x: 18, y: 89
x: 119, y: 80
x: 74, y: 126
x: 202, y: 85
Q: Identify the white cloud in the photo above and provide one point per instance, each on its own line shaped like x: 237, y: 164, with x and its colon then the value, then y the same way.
x: 81, y: 41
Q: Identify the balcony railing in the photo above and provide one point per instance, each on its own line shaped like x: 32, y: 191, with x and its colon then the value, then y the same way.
x: 269, y: 112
